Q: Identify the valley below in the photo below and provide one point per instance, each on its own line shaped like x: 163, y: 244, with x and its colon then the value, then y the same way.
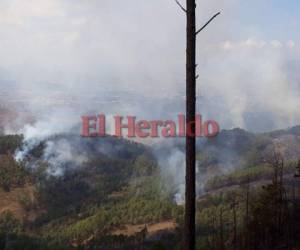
x: 69, y: 192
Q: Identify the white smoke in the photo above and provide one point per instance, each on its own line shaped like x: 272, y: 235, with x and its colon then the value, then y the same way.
x: 63, y: 146
x: 126, y: 57
x: 173, y: 166
x: 171, y: 160
x: 58, y: 154
x: 72, y: 58
x: 47, y: 126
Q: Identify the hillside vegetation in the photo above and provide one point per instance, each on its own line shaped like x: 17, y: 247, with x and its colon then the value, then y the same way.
x: 119, y: 199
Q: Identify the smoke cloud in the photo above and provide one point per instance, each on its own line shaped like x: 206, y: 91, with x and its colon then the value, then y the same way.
x: 127, y: 57
x: 62, y: 59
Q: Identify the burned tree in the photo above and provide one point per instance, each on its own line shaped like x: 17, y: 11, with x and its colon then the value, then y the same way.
x: 190, y: 192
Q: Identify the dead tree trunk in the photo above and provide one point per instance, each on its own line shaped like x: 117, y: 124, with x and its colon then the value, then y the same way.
x: 222, y: 243
x: 190, y: 191
x: 235, y: 227
x: 246, y: 233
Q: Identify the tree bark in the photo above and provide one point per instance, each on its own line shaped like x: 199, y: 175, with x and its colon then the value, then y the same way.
x: 235, y: 227
x: 190, y: 192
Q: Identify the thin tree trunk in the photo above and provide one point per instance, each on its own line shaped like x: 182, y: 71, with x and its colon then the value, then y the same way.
x: 190, y: 193
x: 247, y: 236
x: 235, y: 227
x: 222, y: 243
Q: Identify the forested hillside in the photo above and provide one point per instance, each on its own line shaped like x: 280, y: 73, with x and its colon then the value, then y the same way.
x: 118, y: 198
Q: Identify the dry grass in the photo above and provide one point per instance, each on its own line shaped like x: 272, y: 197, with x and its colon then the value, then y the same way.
x: 11, y: 201
x: 130, y: 230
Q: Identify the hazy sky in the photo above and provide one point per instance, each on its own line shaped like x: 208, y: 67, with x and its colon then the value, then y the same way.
x: 248, y: 57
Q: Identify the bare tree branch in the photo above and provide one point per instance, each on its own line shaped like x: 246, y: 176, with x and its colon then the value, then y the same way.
x: 181, y: 7
x: 203, y: 27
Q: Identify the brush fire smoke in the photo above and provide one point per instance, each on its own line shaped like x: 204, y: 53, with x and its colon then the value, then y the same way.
x: 70, y: 62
